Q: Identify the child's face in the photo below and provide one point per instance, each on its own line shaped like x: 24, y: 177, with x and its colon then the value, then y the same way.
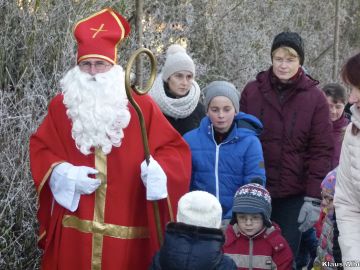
x: 336, y: 108
x: 327, y: 200
x: 250, y: 224
x: 221, y: 112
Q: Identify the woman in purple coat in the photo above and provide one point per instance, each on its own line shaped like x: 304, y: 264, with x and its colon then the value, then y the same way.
x: 297, y: 137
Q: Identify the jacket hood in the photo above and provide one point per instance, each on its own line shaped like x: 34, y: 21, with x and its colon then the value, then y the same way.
x: 249, y: 123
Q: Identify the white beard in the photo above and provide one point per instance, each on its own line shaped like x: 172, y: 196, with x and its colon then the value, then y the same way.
x: 97, y: 106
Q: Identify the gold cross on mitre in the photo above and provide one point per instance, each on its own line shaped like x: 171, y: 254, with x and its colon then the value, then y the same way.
x: 100, y: 29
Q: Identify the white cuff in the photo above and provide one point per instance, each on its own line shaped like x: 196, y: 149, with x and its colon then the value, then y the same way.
x: 64, y: 191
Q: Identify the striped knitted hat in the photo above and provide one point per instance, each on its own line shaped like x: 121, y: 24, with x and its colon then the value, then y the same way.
x: 253, y: 199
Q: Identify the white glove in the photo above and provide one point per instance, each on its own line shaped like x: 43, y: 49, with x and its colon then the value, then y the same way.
x: 154, y: 179
x: 83, y: 183
x: 68, y: 182
x: 309, y: 213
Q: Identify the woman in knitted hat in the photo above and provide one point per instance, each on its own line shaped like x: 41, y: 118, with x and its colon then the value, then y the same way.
x: 297, y: 140
x: 195, y: 240
x: 252, y: 240
x: 176, y: 92
x: 226, y: 152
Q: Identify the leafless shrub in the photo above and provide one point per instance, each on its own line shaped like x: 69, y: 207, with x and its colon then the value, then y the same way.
x: 37, y: 47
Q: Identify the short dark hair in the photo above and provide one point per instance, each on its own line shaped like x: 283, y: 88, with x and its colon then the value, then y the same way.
x: 336, y: 92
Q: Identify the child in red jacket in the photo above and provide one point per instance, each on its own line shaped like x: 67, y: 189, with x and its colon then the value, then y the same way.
x: 252, y: 241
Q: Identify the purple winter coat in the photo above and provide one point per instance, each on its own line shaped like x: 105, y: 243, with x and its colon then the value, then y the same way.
x: 339, y: 127
x: 297, y: 138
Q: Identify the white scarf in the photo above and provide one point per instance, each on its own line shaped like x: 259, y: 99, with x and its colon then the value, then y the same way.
x: 175, y: 107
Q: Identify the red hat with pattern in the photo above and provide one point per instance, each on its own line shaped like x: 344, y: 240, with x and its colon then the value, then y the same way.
x: 99, y: 35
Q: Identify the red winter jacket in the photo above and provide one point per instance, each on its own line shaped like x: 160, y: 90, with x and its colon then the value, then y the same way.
x: 297, y: 138
x: 266, y: 250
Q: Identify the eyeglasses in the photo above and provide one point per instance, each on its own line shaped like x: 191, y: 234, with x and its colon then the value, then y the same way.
x: 100, y: 66
x: 252, y: 218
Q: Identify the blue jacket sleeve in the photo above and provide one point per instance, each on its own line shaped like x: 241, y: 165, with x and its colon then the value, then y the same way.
x: 254, y: 161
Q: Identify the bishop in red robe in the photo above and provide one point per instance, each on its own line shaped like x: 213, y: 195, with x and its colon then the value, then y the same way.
x: 112, y: 227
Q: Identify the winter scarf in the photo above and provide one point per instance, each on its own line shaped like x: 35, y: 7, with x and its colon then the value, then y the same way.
x: 175, y: 107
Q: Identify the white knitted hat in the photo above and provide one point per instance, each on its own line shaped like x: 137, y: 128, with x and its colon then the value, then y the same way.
x: 177, y: 60
x: 199, y: 208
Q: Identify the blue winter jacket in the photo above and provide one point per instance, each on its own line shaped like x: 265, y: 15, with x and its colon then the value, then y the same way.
x: 221, y: 169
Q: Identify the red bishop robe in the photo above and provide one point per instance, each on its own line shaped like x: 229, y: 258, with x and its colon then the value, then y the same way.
x: 114, y: 227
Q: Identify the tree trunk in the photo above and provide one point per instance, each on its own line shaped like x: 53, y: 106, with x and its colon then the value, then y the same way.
x: 336, y: 41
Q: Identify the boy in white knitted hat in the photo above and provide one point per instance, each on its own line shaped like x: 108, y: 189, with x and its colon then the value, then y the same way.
x: 195, y: 240
x: 252, y: 240
x: 176, y: 91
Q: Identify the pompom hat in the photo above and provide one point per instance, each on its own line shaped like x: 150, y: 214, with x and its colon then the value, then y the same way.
x: 253, y: 199
x: 200, y: 208
x: 221, y: 88
x: 292, y: 40
x: 177, y: 60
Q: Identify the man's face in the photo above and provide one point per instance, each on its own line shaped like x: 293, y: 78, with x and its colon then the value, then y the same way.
x: 285, y: 66
x: 94, y: 66
x: 97, y: 106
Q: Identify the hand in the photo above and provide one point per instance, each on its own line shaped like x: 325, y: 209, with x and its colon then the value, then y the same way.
x: 83, y: 183
x: 154, y: 179
x: 68, y: 182
x: 309, y: 213
x: 77, y: 175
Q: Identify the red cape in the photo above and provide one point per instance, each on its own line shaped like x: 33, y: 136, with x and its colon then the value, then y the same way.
x: 125, y: 198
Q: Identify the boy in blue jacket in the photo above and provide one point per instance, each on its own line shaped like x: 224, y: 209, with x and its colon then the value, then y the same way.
x: 226, y: 152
